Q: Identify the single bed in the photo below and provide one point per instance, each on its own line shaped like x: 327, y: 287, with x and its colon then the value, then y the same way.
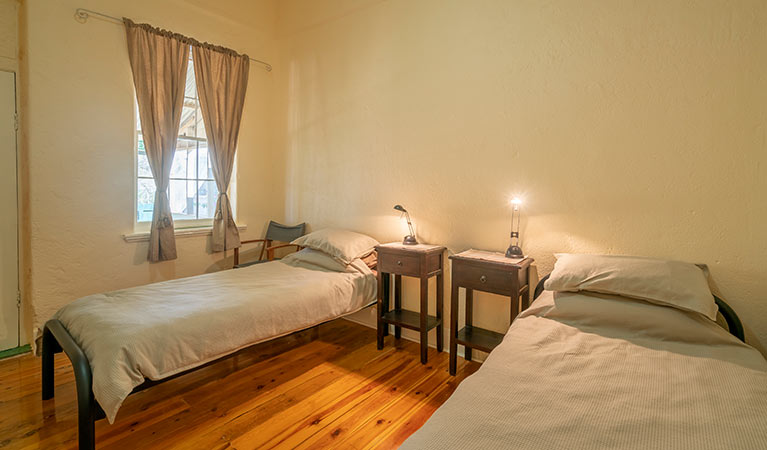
x: 125, y: 341
x: 587, y: 370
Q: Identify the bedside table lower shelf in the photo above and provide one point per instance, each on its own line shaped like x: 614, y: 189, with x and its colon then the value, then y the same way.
x: 479, y: 338
x: 409, y: 319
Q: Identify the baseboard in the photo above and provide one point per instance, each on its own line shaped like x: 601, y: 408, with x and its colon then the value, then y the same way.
x: 16, y: 351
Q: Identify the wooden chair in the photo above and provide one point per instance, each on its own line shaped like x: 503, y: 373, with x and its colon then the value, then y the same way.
x: 276, y: 232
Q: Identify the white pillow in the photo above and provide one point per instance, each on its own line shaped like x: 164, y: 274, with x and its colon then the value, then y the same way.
x: 672, y: 283
x: 314, y: 258
x: 344, y: 245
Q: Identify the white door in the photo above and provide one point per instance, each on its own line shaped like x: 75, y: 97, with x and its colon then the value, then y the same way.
x: 9, y: 267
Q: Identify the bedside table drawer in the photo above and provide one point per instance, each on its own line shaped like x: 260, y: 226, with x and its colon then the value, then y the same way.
x: 483, y: 278
x: 399, y: 264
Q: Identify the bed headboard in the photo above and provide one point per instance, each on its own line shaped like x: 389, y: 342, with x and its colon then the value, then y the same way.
x: 734, y: 326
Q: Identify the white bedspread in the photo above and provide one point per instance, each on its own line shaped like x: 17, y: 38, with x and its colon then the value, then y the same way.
x: 158, y: 330
x: 582, y: 371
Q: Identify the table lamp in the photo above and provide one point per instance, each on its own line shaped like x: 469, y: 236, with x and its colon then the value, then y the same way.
x: 409, y: 239
x: 514, y: 250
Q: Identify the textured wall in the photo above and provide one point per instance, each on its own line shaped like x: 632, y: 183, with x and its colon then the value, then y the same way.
x: 8, y: 34
x: 628, y: 128
x: 78, y: 142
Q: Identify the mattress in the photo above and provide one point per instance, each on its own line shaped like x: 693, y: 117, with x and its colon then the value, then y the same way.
x: 161, y: 329
x: 578, y: 371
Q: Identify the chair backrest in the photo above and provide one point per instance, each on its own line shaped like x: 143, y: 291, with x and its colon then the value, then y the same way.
x: 284, y: 233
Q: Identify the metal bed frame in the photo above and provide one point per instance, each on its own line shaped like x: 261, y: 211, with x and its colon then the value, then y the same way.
x: 56, y: 339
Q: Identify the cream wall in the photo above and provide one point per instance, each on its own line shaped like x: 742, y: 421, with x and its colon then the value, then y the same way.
x: 627, y: 127
x: 9, y: 43
x: 78, y: 144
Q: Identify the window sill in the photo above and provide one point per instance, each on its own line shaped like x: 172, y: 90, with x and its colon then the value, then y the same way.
x: 143, y: 236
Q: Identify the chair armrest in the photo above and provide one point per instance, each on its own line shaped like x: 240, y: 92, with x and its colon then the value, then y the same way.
x: 270, y: 250
x: 267, y: 242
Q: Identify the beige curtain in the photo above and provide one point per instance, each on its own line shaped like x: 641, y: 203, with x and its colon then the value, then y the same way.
x: 159, y: 60
x: 222, y: 80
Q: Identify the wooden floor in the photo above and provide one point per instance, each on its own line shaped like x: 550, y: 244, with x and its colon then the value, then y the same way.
x: 323, y: 388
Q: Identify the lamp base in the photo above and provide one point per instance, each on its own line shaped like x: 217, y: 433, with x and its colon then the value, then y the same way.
x: 514, y: 251
x: 410, y: 240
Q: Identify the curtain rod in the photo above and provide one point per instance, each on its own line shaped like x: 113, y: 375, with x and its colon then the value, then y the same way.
x: 82, y: 15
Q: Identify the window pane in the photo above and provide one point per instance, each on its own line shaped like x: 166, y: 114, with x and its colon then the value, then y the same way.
x: 208, y: 195
x: 188, y: 119
x: 143, y: 163
x: 184, y: 159
x: 191, y: 86
x: 138, y: 118
x: 183, y: 199
x: 145, y: 200
x: 204, y: 169
x: 192, y: 191
x: 200, y: 123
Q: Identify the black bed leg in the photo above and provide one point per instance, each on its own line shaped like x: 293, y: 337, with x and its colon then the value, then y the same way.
x: 55, y: 339
x: 49, y: 349
x: 86, y: 408
x: 86, y: 428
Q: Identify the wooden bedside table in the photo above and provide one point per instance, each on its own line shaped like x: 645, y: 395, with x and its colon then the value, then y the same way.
x: 421, y: 261
x: 487, y: 272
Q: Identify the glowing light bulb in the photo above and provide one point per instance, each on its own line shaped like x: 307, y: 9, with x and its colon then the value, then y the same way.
x: 514, y: 250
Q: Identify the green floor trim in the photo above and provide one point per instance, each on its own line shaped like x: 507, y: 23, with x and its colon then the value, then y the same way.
x: 15, y: 351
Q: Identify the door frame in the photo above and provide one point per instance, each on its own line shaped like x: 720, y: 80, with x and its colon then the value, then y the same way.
x: 20, y: 331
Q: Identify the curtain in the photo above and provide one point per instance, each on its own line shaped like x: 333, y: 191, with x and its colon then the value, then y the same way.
x: 222, y: 80
x: 159, y: 61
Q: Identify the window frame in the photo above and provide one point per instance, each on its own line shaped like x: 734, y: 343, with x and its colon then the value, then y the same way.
x: 179, y: 224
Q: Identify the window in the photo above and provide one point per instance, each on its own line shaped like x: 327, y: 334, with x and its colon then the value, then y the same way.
x: 192, y: 190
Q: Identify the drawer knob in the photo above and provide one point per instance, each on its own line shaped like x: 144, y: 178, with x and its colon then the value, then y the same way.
x: 482, y: 279
x: 399, y: 263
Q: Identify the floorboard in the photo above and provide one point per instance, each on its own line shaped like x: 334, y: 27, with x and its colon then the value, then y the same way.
x: 323, y: 388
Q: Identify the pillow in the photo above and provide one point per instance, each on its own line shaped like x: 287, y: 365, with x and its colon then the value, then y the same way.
x: 314, y: 258
x: 671, y: 283
x: 343, y: 245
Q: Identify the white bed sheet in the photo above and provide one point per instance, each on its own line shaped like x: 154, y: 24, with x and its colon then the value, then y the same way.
x: 161, y: 329
x: 579, y: 371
